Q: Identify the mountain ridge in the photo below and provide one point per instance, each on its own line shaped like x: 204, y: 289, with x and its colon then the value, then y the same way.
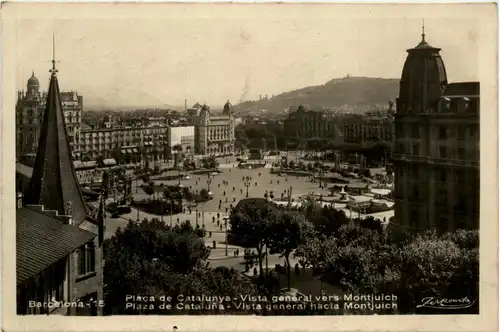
x: 338, y: 92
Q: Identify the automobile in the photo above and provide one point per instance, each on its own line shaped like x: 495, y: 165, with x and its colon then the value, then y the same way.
x: 123, y: 209
x: 115, y: 215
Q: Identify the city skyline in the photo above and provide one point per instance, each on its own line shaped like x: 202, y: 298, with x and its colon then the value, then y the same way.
x: 110, y: 71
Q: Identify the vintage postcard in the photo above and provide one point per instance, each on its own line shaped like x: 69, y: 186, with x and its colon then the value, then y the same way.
x: 265, y: 167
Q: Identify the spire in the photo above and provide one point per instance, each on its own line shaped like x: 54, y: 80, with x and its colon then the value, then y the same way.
x: 53, y: 70
x: 423, y: 30
x: 54, y: 183
x: 32, y: 73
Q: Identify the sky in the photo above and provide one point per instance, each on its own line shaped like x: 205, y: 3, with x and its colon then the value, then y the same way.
x: 210, y: 55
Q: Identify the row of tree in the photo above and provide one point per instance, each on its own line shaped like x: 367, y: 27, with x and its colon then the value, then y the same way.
x: 153, y: 259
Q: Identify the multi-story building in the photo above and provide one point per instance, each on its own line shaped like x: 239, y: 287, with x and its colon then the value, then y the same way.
x: 183, y: 136
x: 369, y: 128
x: 29, y: 114
x: 58, y: 239
x: 304, y: 124
x: 133, y: 142
x: 214, y: 134
x: 436, y: 155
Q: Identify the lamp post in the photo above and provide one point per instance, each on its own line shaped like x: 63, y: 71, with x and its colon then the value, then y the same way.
x: 247, y: 181
x: 225, y: 222
x: 209, y: 181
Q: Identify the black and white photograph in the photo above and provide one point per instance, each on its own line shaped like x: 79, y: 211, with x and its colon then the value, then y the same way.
x: 251, y: 160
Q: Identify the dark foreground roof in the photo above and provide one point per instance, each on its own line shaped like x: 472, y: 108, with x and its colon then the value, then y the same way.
x: 462, y: 89
x: 42, y: 241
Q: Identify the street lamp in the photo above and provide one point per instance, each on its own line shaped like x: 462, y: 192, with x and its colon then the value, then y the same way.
x: 247, y: 181
x: 209, y: 181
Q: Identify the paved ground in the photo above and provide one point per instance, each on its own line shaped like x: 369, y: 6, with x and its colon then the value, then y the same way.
x: 224, y: 195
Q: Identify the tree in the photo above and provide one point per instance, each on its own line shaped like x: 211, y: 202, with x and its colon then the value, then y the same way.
x: 204, y: 193
x: 148, y: 189
x: 328, y: 220
x: 153, y: 259
x: 250, y: 224
x: 289, y: 231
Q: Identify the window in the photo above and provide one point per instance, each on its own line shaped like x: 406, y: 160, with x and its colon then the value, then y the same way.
x: 461, y: 133
x: 442, y: 152
x: 416, y: 149
x: 461, y: 153
x: 442, y: 225
x: 86, y: 259
x: 442, y: 132
x: 415, y: 131
x: 441, y: 175
x: 472, y: 131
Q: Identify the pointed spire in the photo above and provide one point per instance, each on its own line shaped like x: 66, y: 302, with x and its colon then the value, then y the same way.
x: 54, y: 183
x: 53, y: 70
x: 32, y: 73
x: 423, y: 30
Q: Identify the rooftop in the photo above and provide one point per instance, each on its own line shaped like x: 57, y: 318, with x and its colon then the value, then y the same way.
x: 42, y: 241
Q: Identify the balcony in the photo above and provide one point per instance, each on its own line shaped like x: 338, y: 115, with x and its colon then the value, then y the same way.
x: 452, y: 162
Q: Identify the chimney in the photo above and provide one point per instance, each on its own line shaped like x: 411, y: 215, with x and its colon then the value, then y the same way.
x: 19, y: 200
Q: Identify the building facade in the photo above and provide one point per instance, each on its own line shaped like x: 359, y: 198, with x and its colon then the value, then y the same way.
x: 183, y: 136
x: 214, y: 134
x: 30, y: 108
x: 436, y: 154
x: 304, y: 124
x: 369, y: 128
x: 58, y: 238
x: 132, y: 142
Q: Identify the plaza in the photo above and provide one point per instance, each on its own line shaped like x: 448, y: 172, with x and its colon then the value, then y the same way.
x: 227, y: 188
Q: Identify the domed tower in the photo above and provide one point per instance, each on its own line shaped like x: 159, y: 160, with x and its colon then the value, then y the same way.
x: 423, y: 80
x: 228, y: 109
x: 205, y: 113
x: 33, y: 86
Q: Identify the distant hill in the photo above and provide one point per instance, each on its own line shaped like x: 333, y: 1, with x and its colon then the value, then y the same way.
x: 349, y: 91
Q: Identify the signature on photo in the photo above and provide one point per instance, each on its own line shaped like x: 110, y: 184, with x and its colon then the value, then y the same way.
x: 446, y: 303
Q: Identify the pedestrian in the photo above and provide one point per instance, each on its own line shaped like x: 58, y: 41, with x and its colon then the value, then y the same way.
x: 233, y: 188
x: 224, y: 193
x: 220, y: 227
x: 241, y: 191
x: 278, y: 181
x: 226, y: 199
x: 254, y: 271
x: 218, y: 223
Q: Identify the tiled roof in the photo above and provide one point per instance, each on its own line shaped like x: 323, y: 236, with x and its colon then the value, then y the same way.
x: 42, y: 241
x: 54, y: 182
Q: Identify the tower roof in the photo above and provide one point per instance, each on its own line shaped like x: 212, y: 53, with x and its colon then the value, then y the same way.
x: 228, y: 108
x: 54, y: 183
x: 33, y: 81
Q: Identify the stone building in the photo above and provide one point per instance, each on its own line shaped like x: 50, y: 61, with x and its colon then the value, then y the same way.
x: 304, y: 124
x: 58, y: 238
x: 436, y: 154
x: 369, y: 128
x: 29, y: 114
x: 214, y: 134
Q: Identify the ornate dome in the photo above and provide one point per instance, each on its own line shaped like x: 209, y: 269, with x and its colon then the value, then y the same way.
x: 33, y: 81
x: 205, y: 111
x: 423, y: 79
x: 228, y: 108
